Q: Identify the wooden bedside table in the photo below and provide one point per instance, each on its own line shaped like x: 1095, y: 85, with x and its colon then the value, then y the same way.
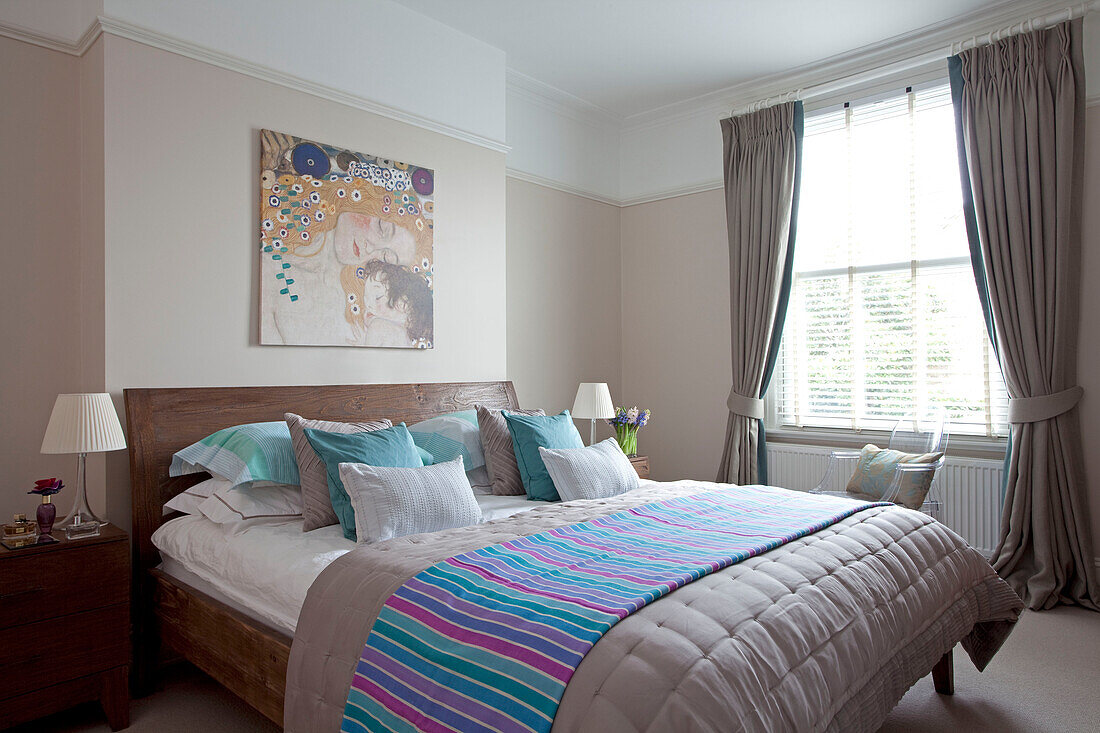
x: 641, y: 465
x: 65, y: 627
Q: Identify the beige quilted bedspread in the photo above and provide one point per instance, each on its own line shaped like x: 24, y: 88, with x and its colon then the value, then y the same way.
x: 824, y: 633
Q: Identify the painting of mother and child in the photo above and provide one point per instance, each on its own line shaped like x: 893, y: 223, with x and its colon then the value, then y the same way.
x: 345, y: 246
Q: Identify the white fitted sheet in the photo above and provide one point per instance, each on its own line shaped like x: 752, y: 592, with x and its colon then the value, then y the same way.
x: 264, y: 567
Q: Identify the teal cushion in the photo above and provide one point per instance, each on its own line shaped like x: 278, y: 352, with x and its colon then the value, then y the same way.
x: 425, y: 456
x: 391, y: 447
x: 243, y: 454
x: 531, y: 432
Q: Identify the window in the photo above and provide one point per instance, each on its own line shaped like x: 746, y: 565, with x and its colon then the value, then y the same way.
x: 884, y: 317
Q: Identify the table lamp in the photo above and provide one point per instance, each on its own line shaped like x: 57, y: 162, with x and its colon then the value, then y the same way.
x: 593, y: 402
x: 83, y: 424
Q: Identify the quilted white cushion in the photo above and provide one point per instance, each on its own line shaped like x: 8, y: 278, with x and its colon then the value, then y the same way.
x: 596, y: 472
x: 395, y: 502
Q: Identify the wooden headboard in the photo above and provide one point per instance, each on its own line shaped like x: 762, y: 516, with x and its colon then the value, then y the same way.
x: 162, y: 421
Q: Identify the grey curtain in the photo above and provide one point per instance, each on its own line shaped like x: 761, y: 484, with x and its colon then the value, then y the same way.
x: 762, y: 166
x: 1020, y: 110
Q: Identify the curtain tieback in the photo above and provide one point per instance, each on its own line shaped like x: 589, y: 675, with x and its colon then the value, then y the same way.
x: 1043, y: 407
x: 739, y: 404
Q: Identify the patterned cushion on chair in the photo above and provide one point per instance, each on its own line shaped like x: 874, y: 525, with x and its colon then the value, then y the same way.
x: 875, y: 472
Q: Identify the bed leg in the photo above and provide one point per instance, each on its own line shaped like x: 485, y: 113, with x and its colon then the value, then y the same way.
x: 943, y: 675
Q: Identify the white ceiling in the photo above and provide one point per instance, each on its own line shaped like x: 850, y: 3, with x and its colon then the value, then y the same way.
x: 632, y: 56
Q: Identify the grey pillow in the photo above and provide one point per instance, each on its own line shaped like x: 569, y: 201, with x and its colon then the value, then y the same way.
x: 316, y: 504
x: 500, y: 457
x: 395, y: 502
x: 596, y: 472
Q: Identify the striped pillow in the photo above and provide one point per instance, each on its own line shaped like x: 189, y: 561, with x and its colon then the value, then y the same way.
x: 500, y: 456
x: 449, y: 436
x: 317, y: 508
x: 243, y: 454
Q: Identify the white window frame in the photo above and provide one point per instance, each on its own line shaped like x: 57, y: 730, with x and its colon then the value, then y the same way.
x: 967, y: 445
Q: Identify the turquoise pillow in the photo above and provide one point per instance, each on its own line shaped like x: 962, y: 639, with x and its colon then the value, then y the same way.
x: 390, y: 447
x: 425, y: 457
x: 529, y: 433
x: 244, y: 454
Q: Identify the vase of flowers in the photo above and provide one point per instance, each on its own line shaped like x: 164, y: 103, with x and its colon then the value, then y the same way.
x: 627, y: 423
x: 47, y: 512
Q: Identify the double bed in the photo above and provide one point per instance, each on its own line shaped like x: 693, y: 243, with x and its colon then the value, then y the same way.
x: 825, y: 632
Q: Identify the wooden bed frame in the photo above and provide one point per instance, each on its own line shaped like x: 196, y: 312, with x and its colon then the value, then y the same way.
x: 245, y: 655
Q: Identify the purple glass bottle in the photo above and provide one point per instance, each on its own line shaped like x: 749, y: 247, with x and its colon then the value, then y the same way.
x: 45, y: 515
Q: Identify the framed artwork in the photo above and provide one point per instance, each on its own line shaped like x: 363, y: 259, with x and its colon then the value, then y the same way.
x: 345, y: 247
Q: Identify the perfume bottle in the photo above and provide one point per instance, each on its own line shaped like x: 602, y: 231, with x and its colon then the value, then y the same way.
x: 20, y: 533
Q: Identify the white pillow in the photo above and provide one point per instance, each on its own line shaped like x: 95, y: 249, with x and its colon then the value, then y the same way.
x: 238, y: 503
x: 595, y: 472
x: 395, y: 502
x: 188, y: 501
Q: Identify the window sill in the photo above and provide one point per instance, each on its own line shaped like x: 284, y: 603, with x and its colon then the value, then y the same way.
x: 960, y: 446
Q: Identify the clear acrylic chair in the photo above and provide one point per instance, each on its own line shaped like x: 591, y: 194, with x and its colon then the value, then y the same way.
x: 927, y: 433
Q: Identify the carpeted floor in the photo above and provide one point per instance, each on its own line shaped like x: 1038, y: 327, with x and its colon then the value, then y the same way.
x: 1046, y: 678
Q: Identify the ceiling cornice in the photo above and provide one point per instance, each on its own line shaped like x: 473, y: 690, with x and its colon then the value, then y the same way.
x: 561, y: 102
x: 198, y: 52
x: 563, y: 187
x: 54, y: 43
x: 928, y: 40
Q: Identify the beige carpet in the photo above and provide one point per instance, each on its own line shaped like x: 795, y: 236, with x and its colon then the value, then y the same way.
x: 1046, y: 678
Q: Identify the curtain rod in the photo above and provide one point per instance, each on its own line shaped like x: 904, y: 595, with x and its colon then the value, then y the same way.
x: 914, y: 62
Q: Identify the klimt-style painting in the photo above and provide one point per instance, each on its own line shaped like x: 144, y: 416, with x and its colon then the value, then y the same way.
x: 346, y: 247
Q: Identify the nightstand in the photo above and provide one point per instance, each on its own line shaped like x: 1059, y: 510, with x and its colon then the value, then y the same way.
x: 641, y: 465
x: 65, y: 627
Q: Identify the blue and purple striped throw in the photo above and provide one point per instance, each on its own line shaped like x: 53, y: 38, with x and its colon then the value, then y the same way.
x: 487, y: 640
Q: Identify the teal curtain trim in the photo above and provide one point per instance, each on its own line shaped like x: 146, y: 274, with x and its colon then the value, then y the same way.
x: 954, y: 71
x: 799, y: 124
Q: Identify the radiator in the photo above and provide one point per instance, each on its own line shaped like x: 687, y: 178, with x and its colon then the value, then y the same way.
x: 969, y: 489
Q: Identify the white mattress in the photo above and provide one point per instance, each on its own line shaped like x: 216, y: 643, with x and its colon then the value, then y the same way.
x: 264, y: 567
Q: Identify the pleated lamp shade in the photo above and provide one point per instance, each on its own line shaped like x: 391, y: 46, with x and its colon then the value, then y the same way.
x: 83, y: 423
x: 593, y: 402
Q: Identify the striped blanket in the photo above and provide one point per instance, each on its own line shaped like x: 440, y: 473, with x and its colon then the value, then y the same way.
x: 487, y: 640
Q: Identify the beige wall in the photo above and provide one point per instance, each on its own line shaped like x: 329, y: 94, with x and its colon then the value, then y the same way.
x: 1088, y: 358
x: 92, y: 316
x: 564, y: 297
x: 182, y: 182
x: 41, y: 279
x: 676, y: 330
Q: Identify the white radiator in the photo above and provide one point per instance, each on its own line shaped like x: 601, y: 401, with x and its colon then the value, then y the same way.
x: 969, y: 488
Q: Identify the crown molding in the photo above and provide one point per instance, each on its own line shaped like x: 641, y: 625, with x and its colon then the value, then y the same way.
x: 52, y: 42
x: 561, y: 102
x: 563, y: 187
x: 198, y: 52
x: 931, y: 41
x: 671, y: 193
x: 227, y: 61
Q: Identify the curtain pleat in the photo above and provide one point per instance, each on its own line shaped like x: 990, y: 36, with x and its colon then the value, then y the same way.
x: 1020, y: 117
x: 762, y: 167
